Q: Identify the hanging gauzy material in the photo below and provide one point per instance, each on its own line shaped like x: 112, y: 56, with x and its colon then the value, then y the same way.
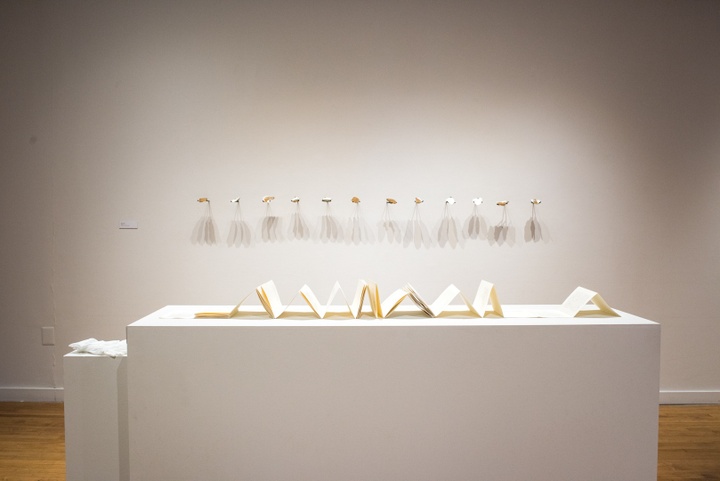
x: 299, y: 228
x: 205, y: 231
x: 447, y: 232
x: 533, y: 228
x: 389, y: 228
x: 416, y: 231
x: 475, y: 226
x: 502, y: 231
x: 358, y: 231
x: 239, y: 234
x: 270, y: 226
x: 330, y: 228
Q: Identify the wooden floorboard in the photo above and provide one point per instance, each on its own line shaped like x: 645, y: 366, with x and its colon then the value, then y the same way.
x: 689, y: 443
x: 32, y: 442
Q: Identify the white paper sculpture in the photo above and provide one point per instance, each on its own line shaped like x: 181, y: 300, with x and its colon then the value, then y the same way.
x: 100, y: 348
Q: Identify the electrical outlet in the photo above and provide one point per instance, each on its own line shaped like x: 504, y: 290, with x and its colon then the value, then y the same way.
x: 48, y: 336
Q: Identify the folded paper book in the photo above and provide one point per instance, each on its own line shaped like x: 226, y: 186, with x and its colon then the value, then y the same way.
x: 354, y: 308
x: 581, y: 302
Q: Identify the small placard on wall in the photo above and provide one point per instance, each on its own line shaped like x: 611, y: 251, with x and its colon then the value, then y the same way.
x: 128, y: 224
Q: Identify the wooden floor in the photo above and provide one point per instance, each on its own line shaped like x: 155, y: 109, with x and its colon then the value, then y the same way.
x: 32, y: 443
x: 689, y: 443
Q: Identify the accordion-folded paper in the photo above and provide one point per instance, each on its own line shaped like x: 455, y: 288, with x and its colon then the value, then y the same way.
x: 581, y: 302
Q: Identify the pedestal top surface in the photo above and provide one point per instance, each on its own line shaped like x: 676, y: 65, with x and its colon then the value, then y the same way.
x: 302, y: 316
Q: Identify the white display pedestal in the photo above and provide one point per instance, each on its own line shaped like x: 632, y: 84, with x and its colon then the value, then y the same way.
x: 96, y: 426
x: 393, y: 399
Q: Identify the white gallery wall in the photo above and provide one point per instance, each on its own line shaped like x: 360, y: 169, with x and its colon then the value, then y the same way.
x: 607, y: 111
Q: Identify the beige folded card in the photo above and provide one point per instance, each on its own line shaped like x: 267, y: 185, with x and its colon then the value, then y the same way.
x: 584, y: 302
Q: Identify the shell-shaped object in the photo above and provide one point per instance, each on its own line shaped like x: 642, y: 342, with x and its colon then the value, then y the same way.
x: 203, y: 199
x: 535, y: 201
x: 503, y: 203
x: 295, y: 200
x: 355, y: 200
x: 390, y: 200
x: 327, y: 199
x: 450, y: 201
x: 477, y: 200
x: 418, y: 200
x: 268, y: 198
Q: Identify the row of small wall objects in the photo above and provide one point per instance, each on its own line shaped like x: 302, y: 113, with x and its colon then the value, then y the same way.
x: 448, y: 231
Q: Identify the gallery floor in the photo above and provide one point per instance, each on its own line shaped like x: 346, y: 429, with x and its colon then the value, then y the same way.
x: 32, y: 445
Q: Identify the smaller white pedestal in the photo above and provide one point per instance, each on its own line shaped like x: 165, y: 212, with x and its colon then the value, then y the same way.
x: 96, y: 433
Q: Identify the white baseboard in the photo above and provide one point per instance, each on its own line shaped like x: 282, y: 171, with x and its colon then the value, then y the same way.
x: 689, y: 397
x: 57, y: 394
x: 32, y: 394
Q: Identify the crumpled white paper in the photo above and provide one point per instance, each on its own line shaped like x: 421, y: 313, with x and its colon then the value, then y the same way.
x: 101, y: 348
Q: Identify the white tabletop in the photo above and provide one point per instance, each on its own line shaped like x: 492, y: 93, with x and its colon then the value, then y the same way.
x: 255, y: 316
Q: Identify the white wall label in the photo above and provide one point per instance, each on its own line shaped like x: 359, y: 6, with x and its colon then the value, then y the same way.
x: 128, y: 224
